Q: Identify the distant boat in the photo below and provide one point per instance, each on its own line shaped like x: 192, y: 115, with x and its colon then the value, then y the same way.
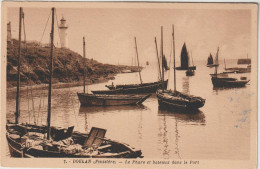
x: 185, y: 59
x: 174, y: 100
x: 218, y: 81
x: 210, y: 62
x: 246, y: 61
x: 190, y: 72
x: 87, y: 99
x: 29, y: 141
x: 238, y: 69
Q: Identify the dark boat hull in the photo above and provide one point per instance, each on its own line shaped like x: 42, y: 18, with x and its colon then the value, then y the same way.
x: 191, y: 67
x: 159, y: 83
x: 190, y: 73
x: 212, y: 65
x: 171, y: 104
x: 110, y: 100
x: 228, y: 82
x: 120, y: 150
x: 134, y: 90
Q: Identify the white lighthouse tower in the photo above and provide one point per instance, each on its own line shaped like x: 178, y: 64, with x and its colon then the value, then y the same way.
x: 63, y: 33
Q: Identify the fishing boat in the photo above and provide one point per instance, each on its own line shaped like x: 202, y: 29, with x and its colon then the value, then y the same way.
x: 239, y: 69
x: 126, y: 86
x: 26, y: 140
x: 210, y: 62
x: 219, y: 81
x: 185, y: 60
x: 150, y: 87
x: 175, y: 100
x: 88, y: 99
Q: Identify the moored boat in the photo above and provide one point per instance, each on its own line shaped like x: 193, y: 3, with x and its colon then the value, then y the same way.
x: 111, y: 100
x: 132, y: 90
x: 159, y: 83
x: 29, y: 141
x: 219, y: 81
x: 102, y: 99
x: 174, y: 100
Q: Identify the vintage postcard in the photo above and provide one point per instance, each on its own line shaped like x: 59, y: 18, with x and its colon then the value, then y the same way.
x: 129, y: 85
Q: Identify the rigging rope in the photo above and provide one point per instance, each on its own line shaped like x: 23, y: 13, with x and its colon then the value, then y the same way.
x: 168, y: 86
x: 45, y: 27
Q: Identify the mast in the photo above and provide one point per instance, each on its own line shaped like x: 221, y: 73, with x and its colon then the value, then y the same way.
x: 158, y: 59
x: 138, y: 62
x: 84, y: 72
x: 173, y: 44
x: 50, y: 76
x: 216, y: 67
x: 225, y: 63
x: 17, y: 113
x: 162, y: 57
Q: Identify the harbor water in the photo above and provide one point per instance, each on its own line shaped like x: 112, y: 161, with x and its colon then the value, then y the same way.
x: 219, y: 130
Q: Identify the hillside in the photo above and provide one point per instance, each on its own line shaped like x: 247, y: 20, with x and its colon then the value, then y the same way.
x: 67, y: 65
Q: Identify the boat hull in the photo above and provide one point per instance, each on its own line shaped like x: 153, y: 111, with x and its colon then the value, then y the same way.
x: 212, y: 65
x: 132, y: 90
x: 110, y: 100
x: 159, y: 83
x: 228, y: 82
x: 190, y: 73
x: 190, y: 67
x: 120, y: 150
x: 171, y: 104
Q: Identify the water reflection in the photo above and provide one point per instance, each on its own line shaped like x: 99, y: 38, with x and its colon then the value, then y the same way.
x: 186, y: 85
x: 98, y: 109
x: 195, y: 116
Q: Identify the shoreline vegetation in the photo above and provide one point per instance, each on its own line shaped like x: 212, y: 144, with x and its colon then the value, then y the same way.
x: 68, y: 67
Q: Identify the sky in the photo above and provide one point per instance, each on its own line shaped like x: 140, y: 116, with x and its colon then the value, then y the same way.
x: 110, y: 31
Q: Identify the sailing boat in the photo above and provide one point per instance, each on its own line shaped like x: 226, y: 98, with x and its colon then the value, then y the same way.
x: 185, y: 59
x: 219, y: 81
x: 174, y: 100
x: 210, y: 62
x: 26, y: 140
x: 151, y: 87
x: 190, y: 72
x: 87, y: 99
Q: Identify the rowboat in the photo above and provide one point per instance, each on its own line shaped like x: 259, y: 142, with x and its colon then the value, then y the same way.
x: 110, y: 100
x: 131, y: 90
x: 28, y: 141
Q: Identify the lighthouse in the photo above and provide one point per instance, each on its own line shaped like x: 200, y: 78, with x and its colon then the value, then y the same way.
x: 63, y: 33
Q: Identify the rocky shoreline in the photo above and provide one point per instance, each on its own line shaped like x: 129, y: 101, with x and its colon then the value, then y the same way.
x: 68, y: 66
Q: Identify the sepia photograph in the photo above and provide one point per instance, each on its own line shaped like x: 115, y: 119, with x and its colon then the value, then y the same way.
x: 129, y: 84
